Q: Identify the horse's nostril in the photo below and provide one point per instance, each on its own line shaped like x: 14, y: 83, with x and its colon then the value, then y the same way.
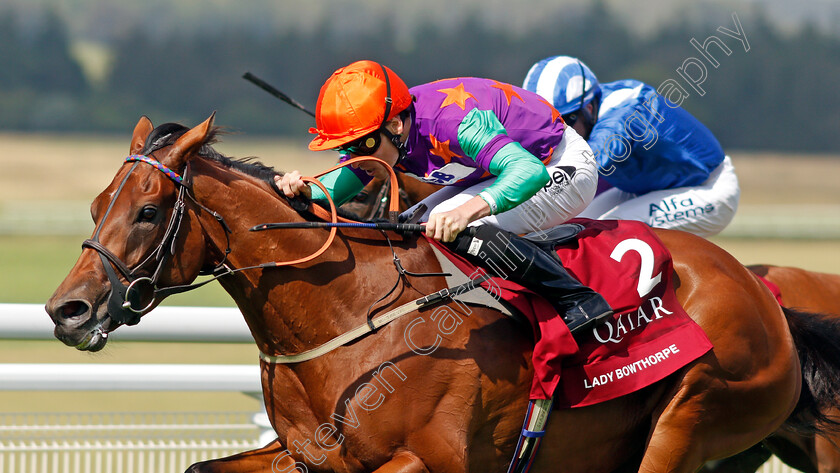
x: 73, y: 309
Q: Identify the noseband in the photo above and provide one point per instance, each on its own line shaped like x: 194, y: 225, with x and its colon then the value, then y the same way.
x: 128, y: 302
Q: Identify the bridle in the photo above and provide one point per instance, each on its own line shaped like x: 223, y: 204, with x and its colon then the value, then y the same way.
x: 128, y: 302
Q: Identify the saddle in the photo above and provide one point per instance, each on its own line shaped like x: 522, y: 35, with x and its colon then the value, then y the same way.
x: 649, y: 337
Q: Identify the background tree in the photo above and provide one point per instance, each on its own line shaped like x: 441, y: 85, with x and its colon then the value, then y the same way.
x: 778, y: 96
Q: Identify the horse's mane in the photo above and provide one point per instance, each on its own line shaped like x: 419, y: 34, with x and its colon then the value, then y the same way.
x: 166, y: 134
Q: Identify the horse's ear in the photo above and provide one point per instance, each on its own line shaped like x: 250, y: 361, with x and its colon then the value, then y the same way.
x: 141, y: 132
x: 189, y: 143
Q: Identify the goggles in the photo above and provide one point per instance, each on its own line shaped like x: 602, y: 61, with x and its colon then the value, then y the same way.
x: 571, y: 118
x: 364, y: 146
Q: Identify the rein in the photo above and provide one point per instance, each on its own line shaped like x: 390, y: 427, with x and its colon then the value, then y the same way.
x: 392, y: 184
x: 379, y: 209
x: 128, y: 302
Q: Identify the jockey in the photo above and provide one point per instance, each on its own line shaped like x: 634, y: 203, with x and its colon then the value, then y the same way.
x: 508, y: 163
x: 658, y: 163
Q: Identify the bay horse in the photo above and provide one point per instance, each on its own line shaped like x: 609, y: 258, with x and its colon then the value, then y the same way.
x: 179, y: 208
x: 801, y: 289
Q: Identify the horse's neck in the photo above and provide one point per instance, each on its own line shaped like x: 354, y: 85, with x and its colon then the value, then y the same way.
x: 294, y: 308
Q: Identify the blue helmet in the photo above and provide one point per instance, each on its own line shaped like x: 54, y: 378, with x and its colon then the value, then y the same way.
x: 566, y: 82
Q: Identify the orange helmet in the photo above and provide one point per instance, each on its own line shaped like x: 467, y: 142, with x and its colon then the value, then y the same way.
x: 356, y: 100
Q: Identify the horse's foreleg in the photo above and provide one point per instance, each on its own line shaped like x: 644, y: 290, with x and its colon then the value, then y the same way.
x: 272, y: 457
x: 403, y: 462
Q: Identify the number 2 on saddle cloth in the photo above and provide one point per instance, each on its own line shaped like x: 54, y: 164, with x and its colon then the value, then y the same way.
x: 625, y: 262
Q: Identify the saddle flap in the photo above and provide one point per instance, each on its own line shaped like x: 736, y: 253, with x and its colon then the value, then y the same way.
x: 482, y: 298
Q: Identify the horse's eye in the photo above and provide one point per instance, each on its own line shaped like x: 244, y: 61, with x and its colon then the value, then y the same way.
x: 147, y: 214
x: 361, y: 197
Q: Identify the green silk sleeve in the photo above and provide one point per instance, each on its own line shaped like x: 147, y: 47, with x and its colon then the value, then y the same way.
x: 477, y: 130
x: 342, y: 185
x: 521, y: 175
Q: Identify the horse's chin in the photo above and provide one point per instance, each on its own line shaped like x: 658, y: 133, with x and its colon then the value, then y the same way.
x: 97, y: 337
x: 95, y: 340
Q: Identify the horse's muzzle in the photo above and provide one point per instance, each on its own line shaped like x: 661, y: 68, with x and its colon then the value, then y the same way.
x: 77, y: 325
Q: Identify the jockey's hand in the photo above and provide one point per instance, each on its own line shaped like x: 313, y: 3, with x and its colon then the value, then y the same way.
x: 291, y: 184
x: 445, y: 226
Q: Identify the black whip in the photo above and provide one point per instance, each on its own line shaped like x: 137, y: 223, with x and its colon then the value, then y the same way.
x: 397, y: 227
x: 271, y: 90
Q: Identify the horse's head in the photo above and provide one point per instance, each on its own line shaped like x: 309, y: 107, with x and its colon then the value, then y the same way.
x: 372, y: 202
x: 142, y: 222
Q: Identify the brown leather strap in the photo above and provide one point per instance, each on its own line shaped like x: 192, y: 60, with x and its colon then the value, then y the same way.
x: 393, y: 206
x: 333, y: 218
x: 95, y: 245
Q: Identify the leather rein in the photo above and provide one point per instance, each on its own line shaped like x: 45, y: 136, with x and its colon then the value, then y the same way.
x: 128, y: 302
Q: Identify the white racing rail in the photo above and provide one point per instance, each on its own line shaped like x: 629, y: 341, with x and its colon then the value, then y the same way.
x: 128, y: 442
x: 129, y: 377
x: 164, y: 324
x: 171, y: 324
x: 121, y: 443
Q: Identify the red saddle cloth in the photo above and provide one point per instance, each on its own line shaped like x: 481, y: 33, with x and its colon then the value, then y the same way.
x: 649, y: 337
x: 777, y: 293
